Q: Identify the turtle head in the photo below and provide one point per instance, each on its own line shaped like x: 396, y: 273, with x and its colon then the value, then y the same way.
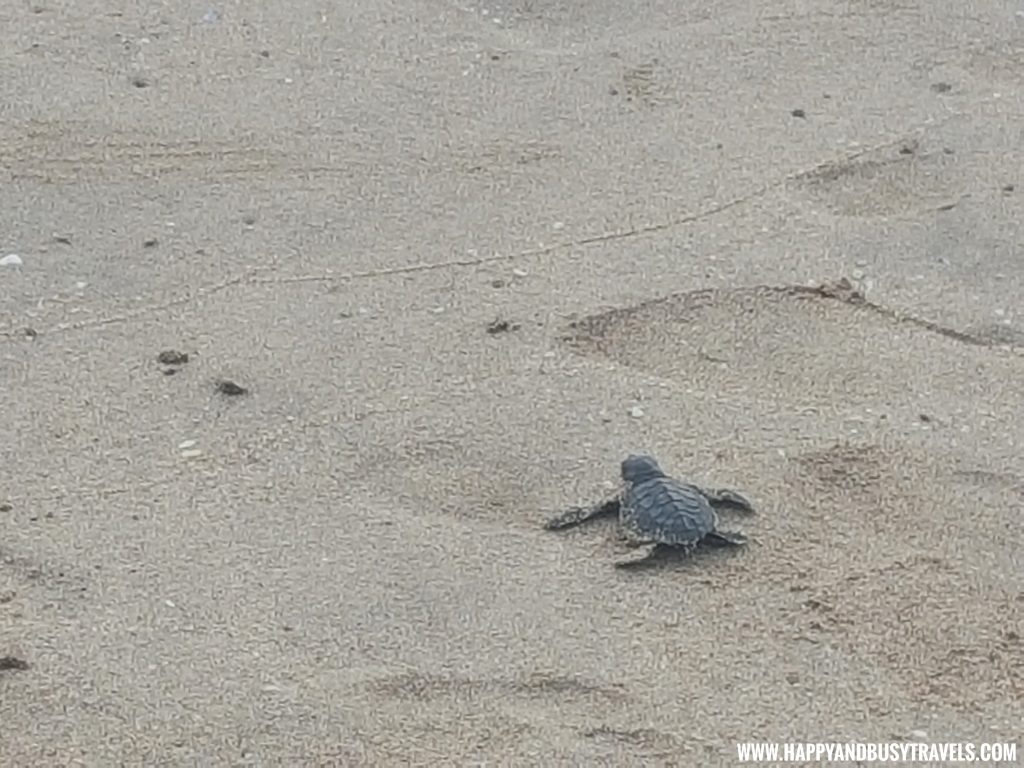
x: 637, y: 468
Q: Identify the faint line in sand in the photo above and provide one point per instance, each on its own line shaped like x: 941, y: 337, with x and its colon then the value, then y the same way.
x: 251, y: 276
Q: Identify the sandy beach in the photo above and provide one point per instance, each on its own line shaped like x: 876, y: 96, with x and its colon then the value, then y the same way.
x: 457, y: 261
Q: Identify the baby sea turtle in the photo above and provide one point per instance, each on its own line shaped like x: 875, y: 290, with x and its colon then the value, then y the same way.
x: 655, y: 510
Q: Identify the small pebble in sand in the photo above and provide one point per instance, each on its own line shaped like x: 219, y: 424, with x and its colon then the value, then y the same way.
x: 501, y: 326
x: 231, y: 389
x: 636, y: 412
x: 172, y: 357
x: 11, y: 260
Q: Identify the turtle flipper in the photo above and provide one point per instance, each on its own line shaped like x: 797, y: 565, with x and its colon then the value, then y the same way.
x: 724, y: 497
x: 578, y: 515
x: 724, y: 539
x: 643, y: 554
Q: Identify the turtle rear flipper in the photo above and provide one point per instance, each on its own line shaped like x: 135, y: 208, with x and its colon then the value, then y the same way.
x: 643, y: 554
x: 724, y: 539
x: 725, y: 497
x: 651, y: 552
x: 578, y: 515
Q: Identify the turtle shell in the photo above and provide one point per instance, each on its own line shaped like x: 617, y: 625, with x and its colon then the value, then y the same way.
x: 660, y: 509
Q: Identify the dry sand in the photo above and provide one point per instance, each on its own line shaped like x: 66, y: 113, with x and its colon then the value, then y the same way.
x: 328, y: 203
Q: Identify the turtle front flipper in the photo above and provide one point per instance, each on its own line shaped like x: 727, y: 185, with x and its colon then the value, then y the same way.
x: 724, y: 539
x: 724, y: 497
x: 577, y: 515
